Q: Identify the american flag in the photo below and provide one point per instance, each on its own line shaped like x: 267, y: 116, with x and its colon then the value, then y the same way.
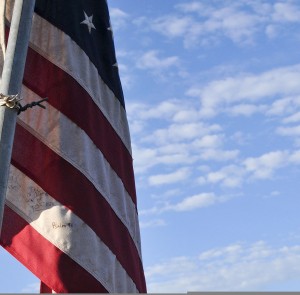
x: 71, y: 213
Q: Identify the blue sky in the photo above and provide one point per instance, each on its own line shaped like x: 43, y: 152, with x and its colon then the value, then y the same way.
x: 213, y: 99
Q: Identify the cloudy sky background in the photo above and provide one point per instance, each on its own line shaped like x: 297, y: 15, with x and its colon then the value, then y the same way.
x: 212, y: 93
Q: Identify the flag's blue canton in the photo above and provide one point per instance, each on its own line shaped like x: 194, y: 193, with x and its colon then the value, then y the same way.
x: 98, y: 44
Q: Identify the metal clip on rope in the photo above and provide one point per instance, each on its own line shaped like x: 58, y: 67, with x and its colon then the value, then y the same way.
x: 12, y: 102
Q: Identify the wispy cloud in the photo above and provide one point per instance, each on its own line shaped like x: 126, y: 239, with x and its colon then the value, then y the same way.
x: 246, y: 109
x: 161, y: 67
x: 262, y: 167
x: 228, y: 21
x: 118, y: 18
x: 284, y: 106
x: 152, y: 223
x: 175, y: 176
x: 195, y: 202
x: 241, y: 22
x: 230, y: 176
x: 294, y: 118
x: 179, y: 132
x: 265, y: 165
x: 177, y: 111
x: 182, y: 138
x: 286, y: 12
x: 236, y: 267
x: 245, y: 88
x: 289, y: 131
x: 151, y: 60
x: 31, y: 288
x: 187, y: 204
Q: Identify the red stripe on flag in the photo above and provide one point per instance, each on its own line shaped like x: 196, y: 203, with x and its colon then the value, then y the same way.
x: 79, y: 195
x: 44, y: 288
x: 57, y: 270
x: 67, y: 95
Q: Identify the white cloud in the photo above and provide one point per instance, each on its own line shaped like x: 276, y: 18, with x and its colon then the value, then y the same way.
x: 126, y: 75
x: 186, y: 115
x: 230, y: 176
x: 240, y: 138
x: 136, y: 126
x: 150, y: 60
x: 275, y: 193
x: 176, y: 157
x: 143, y: 158
x: 218, y: 155
x: 146, y: 158
x: 236, y: 267
x: 246, y: 109
x: 172, y: 26
x: 152, y: 223
x: 181, y: 132
x: 272, y: 194
x: 289, y: 131
x: 265, y: 165
x: 178, y: 175
x: 182, y: 138
x: 248, y: 88
x: 168, y: 267
x: 292, y: 118
x: 228, y: 21
x: 284, y: 106
x: 31, y: 288
x: 118, y: 18
x: 272, y: 31
x: 294, y: 157
x: 195, y: 7
x: 167, y: 194
x: 239, y: 26
x: 286, y: 12
x: 191, y: 203
x: 195, y: 202
x: 240, y: 21
x: 208, y: 141
x: 262, y: 167
x: 164, y: 110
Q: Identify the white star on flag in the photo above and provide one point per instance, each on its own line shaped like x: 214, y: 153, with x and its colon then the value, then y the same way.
x: 89, y: 22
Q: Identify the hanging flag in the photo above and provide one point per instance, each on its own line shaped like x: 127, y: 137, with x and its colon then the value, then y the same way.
x: 71, y: 213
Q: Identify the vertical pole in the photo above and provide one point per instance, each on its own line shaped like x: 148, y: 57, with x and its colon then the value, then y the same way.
x: 12, y: 76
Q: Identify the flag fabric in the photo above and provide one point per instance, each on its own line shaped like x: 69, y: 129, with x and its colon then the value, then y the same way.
x: 71, y: 213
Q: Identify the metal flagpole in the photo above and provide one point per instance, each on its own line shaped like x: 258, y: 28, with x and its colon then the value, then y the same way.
x: 12, y: 76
